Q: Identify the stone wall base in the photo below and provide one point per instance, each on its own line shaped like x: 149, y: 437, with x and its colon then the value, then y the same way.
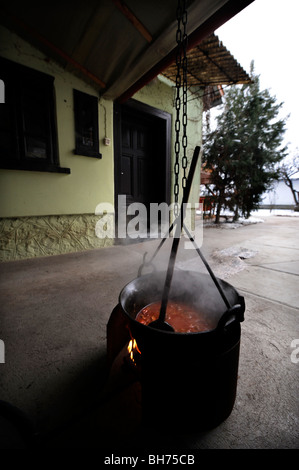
x: 29, y: 237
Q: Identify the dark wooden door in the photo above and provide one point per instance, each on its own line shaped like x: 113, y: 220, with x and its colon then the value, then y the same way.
x: 142, y: 159
x: 136, y: 169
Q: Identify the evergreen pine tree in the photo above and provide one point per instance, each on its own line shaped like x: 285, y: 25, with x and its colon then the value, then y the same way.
x: 243, y: 151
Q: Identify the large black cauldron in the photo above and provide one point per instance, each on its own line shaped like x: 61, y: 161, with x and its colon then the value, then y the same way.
x: 189, y: 380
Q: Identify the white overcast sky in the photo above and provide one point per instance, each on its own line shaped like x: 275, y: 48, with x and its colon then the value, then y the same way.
x: 267, y: 32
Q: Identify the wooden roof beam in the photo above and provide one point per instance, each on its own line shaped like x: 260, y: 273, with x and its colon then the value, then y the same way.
x: 133, y: 19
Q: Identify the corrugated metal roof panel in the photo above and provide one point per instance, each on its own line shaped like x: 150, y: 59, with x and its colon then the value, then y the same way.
x: 210, y: 63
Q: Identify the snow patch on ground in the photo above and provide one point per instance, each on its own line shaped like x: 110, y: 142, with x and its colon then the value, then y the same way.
x: 231, y: 260
x: 226, y: 224
x: 256, y: 217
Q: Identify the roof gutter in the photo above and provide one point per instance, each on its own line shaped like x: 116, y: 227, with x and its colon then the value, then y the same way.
x: 221, y: 16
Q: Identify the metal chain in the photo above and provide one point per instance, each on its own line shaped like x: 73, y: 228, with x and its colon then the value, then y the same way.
x: 184, y: 120
x: 178, y: 109
x: 181, y: 64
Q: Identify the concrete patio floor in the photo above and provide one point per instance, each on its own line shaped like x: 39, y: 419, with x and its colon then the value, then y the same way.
x: 54, y: 313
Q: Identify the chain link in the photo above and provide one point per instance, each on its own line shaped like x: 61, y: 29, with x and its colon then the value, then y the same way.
x: 181, y: 64
x: 184, y: 119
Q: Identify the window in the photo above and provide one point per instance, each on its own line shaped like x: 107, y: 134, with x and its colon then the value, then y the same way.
x: 86, y: 124
x: 28, y: 135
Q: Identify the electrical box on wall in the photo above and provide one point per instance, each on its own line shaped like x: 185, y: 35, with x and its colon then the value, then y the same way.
x: 107, y: 141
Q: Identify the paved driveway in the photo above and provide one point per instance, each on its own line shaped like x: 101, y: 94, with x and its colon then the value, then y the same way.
x: 54, y: 313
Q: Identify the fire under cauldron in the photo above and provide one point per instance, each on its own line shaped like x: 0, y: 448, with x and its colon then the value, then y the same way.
x: 188, y: 380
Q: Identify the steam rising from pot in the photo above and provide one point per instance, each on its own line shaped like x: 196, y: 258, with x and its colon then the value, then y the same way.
x: 195, y: 289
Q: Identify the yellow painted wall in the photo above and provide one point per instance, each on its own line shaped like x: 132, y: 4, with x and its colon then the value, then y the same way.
x: 27, y: 193
x: 51, y: 213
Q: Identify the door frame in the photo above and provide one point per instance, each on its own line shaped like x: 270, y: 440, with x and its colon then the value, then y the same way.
x: 163, y: 121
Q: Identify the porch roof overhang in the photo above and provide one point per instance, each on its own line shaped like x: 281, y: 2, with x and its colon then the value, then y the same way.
x: 210, y: 64
x: 117, y: 46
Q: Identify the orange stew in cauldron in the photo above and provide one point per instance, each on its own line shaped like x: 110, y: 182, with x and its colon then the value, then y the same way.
x: 182, y: 317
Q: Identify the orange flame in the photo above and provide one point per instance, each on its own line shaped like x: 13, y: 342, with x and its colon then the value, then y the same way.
x: 133, y: 348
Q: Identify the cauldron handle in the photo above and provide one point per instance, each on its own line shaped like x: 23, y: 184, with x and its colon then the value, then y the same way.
x: 177, y: 221
x: 217, y: 284
x: 146, y: 263
x: 234, y: 313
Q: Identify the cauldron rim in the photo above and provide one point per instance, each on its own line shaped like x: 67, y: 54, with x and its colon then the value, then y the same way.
x: 148, y: 329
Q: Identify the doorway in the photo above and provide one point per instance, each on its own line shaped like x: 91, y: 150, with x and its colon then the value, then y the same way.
x: 142, y: 136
